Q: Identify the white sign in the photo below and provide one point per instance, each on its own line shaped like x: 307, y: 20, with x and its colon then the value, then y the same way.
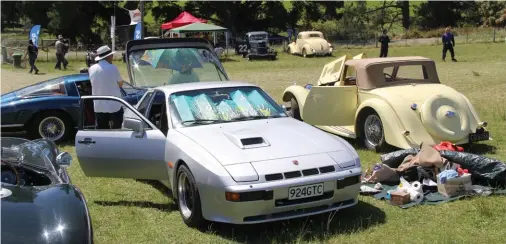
x: 135, y: 16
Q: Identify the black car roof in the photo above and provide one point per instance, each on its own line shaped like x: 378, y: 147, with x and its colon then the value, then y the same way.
x: 256, y: 33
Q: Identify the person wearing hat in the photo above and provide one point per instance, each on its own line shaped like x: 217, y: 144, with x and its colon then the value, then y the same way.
x: 106, y: 81
x: 60, y: 53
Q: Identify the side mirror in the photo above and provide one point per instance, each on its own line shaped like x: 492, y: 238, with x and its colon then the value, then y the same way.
x: 133, y: 124
x: 64, y: 159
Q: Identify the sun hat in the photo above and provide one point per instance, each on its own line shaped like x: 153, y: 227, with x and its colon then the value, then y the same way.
x: 103, y: 52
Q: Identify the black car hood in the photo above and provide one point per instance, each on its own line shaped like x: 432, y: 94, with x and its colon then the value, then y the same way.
x: 55, y: 214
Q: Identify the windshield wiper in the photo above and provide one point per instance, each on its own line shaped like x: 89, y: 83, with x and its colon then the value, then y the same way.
x: 203, y: 121
x: 243, y: 118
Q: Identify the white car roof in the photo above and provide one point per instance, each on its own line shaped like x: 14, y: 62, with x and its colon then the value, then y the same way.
x: 168, y: 89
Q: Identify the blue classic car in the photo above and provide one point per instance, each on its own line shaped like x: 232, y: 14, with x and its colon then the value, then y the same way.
x: 50, y: 109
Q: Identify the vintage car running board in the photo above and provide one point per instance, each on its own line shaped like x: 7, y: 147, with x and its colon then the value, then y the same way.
x: 339, y: 130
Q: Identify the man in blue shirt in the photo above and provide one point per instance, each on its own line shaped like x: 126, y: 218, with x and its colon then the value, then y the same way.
x: 448, y: 44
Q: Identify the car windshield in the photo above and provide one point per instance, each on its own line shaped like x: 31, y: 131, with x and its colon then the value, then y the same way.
x: 54, y: 87
x: 37, y: 153
x: 157, y: 67
x: 222, y: 105
x: 258, y: 37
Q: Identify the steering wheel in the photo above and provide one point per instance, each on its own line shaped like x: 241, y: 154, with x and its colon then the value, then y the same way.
x: 388, y: 76
x: 18, y: 180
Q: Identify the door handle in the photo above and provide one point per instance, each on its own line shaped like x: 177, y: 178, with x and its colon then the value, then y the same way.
x: 86, y: 141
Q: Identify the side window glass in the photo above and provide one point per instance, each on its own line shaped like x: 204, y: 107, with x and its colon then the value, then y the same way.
x: 143, y: 106
x: 156, y: 109
x: 84, y: 88
x: 107, y: 114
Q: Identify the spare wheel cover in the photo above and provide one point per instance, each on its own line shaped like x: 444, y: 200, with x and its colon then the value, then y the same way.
x: 444, y: 118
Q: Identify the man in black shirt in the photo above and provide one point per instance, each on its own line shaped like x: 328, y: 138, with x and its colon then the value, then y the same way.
x: 384, y: 40
x: 32, y: 53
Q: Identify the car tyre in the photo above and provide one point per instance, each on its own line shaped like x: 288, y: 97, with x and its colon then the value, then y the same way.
x: 372, y: 132
x: 294, y: 109
x: 304, y: 53
x: 54, y: 125
x: 188, y: 198
x: 249, y: 57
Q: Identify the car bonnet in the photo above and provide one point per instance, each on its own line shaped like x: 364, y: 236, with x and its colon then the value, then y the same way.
x: 260, y: 140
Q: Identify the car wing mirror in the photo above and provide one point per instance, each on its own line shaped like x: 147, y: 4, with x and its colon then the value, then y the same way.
x: 64, y: 159
x: 133, y: 124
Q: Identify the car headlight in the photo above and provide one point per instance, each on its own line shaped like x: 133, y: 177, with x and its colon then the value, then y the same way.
x: 312, y: 50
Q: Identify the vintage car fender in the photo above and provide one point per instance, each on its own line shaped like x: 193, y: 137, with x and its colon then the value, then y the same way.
x: 292, y: 48
x: 298, y: 92
x: 308, y: 49
x: 392, y: 130
x: 56, y: 214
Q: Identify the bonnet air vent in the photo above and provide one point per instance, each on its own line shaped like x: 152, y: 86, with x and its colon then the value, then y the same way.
x: 252, y: 141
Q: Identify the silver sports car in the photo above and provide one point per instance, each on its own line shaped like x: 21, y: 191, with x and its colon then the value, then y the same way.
x: 228, y: 152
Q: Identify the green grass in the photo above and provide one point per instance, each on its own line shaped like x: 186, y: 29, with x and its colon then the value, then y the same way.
x: 128, y: 211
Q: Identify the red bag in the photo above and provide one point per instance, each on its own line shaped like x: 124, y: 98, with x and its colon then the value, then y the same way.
x: 448, y: 146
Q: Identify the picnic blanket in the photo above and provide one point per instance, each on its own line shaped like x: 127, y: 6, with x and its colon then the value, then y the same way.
x: 434, y: 198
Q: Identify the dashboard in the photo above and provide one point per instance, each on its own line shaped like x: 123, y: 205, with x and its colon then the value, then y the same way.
x: 27, y: 177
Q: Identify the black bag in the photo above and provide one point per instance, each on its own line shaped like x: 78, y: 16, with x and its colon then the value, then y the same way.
x: 484, y: 171
x: 394, y: 159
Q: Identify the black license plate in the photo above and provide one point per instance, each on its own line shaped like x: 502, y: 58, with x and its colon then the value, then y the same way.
x: 483, y: 136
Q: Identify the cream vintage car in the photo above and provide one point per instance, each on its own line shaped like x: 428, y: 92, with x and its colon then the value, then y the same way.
x: 396, y: 101
x: 310, y: 43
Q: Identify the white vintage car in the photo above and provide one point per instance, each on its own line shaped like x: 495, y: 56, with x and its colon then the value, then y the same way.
x: 310, y: 43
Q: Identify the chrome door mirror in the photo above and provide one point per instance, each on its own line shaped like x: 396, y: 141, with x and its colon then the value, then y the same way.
x: 133, y: 124
x: 64, y: 159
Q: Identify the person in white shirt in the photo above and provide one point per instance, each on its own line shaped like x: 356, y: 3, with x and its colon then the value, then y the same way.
x: 106, y: 81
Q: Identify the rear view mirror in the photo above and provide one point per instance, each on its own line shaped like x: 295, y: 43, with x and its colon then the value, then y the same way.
x: 64, y: 159
x: 133, y: 124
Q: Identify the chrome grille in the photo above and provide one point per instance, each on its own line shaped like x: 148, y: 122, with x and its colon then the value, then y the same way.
x: 300, y: 173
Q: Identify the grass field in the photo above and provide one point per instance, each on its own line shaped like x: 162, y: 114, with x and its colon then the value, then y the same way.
x: 128, y: 211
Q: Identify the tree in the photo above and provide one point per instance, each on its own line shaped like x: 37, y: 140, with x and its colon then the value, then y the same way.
x: 11, y: 13
x: 165, y: 11
x: 435, y: 14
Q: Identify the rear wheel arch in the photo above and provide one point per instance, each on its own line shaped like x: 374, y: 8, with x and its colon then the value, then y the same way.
x: 288, y: 96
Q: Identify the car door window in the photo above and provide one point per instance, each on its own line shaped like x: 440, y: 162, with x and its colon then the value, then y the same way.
x: 84, y: 88
x: 112, y: 114
x: 143, y: 106
x: 156, y: 112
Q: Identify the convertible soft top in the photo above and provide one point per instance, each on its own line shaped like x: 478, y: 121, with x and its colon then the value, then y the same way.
x: 370, y: 70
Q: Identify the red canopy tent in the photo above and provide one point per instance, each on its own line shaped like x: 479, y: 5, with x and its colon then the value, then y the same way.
x: 182, y: 19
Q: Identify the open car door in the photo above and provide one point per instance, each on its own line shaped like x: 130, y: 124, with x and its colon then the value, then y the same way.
x: 332, y: 71
x: 330, y: 106
x: 135, y: 150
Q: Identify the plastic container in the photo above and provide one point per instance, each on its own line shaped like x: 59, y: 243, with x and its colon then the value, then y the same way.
x: 456, y: 186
